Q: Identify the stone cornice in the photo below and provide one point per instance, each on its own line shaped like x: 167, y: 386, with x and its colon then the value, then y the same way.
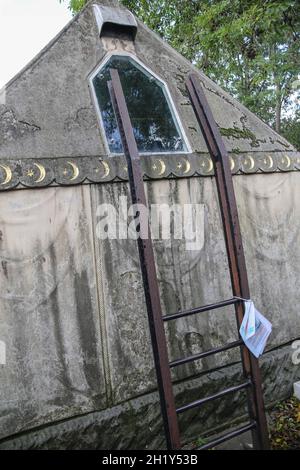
x: 43, y: 172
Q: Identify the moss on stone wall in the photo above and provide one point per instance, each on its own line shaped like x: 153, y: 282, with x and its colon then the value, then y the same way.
x: 237, y: 133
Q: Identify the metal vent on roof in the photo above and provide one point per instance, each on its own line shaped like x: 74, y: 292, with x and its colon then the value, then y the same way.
x: 115, y: 22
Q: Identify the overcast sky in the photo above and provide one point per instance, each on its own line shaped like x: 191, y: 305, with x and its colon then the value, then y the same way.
x: 26, y: 26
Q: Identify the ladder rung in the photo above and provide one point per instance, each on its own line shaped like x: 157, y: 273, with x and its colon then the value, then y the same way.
x: 228, y: 436
x: 200, y: 402
x: 195, y: 357
x: 204, y: 308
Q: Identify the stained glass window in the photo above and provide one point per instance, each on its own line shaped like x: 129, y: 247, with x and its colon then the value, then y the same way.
x: 154, y: 123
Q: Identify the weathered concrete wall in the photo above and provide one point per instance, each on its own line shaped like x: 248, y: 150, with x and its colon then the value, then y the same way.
x: 72, y: 311
x: 136, y: 423
x: 62, y: 363
x: 48, y: 309
x: 269, y: 213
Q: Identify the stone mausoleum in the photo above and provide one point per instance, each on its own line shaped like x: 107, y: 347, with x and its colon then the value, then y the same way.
x: 79, y: 370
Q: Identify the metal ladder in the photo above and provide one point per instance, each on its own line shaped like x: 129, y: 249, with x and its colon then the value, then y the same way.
x: 252, y: 381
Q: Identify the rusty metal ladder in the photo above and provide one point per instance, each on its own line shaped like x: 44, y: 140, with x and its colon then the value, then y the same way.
x: 252, y: 381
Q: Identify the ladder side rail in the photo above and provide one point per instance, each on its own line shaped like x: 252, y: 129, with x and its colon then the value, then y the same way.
x: 234, y: 247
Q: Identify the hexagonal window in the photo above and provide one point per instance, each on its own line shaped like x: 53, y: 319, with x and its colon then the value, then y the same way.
x: 154, y: 119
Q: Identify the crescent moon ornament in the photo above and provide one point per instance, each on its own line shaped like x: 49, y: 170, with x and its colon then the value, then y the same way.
x: 75, y: 171
x: 252, y: 162
x: 288, y: 160
x: 162, y: 167
x: 42, y: 171
x: 232, y: 164
x: 106, y: 169
x: 271, y: 162
x: 187, y: 166
x: 8, y: 174
x: 206, y: 165
x: 211, y: 166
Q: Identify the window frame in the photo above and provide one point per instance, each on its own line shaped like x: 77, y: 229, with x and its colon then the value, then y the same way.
x: 170, y: 101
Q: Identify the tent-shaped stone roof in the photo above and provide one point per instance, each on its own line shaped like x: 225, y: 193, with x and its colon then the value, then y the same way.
x: 48, y: 114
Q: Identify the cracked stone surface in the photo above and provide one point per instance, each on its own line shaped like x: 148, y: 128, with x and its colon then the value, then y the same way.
x: 12, y: 128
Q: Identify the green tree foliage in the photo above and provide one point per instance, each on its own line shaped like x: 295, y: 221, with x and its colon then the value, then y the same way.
x: 249, y: 47
x: 76, y: 5
x: 291, y: 130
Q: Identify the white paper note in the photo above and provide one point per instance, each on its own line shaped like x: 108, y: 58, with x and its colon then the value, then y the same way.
x: 255, y: 329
